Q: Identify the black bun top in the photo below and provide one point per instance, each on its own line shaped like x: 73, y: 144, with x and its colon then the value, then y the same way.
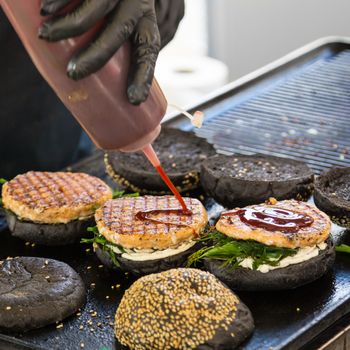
x: 332, y: 194
x: 179, y: 308
x: 258, y: 167
x: 180, y: 153
x: 35, y: 292
x: 242, y: 180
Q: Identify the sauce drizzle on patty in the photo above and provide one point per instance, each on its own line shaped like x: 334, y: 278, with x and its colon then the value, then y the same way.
x: 272, y: 219
x: 145, y: 215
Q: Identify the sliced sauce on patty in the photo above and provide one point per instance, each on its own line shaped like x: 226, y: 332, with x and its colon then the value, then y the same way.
x: 146, y: 215
x: 272, y: 219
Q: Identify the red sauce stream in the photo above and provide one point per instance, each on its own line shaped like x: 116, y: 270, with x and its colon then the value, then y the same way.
x: 272, y: 219
x: 173, y: 189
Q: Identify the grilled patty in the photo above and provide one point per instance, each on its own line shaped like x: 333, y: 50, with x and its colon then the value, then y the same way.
x: 54, y: 197
x: 311, y: 235
x: 117, y: 222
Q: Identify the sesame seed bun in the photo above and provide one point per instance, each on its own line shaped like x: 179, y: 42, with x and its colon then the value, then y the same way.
x: 243, y: 180
x: 180, y: 153
x: 181, y: 309
x: 332, y: 195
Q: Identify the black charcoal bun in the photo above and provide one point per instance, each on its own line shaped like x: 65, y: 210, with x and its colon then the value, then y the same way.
x: 35, y: 292
x: 48, y: 234
x: 180, y: 153
x: 332, y: 195
x: 182, y: 309
x: 140, y: 268
x: 289, y: 277
x: 243, y: 180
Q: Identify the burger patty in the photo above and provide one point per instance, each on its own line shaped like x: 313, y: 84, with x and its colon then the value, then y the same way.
x: 117, y: 221
x: 313, y: 234
x: 54, y: 197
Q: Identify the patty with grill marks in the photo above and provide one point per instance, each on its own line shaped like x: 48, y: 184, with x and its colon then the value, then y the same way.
x: 52, y: 208
x: 161, y: 241
x: 54, y: 197
x: 316, y: 233
x: 117, y: 222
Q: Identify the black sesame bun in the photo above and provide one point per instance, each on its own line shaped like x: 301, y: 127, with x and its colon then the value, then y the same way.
x: 180, y: 153
x: 47, y: 234
x: 289, y: 277
x: 270, y: 246
x: 35, y: 292
x: 332, y: 195
x: 146, y: 267
x: 243, y: 180
x: 52, y: 208
x: 182, y: 309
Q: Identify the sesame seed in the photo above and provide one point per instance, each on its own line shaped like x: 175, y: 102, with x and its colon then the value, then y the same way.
x: 82, y: 345
x: 8, y: 307
x: 59, y: 326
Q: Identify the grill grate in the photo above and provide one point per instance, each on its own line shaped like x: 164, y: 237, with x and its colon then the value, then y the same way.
x: 306, y: 116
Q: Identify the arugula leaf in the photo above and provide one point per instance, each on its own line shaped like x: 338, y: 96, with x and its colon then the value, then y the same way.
x: 231, y: 252
x: 343, y: 248
x: 120, y: 194
x: 103, y: 243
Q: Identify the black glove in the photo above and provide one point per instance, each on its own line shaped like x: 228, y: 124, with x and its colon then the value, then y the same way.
x: 169, y: 14
x: 134, y: 19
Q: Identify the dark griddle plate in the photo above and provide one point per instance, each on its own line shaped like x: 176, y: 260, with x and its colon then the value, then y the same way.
x: 287, y: 95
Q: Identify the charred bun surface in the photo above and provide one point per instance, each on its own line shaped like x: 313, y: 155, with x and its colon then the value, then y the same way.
x: 243, y: 180
x: 180, y: 153
x: 332, y: 195
x: 35, y: 292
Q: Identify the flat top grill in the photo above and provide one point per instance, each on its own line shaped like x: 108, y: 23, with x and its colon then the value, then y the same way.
x: 304, y: 115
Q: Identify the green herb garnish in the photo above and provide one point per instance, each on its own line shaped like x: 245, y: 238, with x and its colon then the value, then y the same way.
x: 232, y: 252
x: 103, y: 243
x: 119, y: 194
x: 2, y: 181
x: 344, y: 248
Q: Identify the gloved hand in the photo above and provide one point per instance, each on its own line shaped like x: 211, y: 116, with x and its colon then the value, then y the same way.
x: 169, y: 14
x: 134, y: 19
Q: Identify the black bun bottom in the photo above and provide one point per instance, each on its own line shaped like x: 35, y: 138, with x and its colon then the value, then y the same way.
x: 244, y: 180
x: 332, y: 195
x: 289, y: 277
x: 140, y: 268
x: 242, y: 328
x: 48, y: 234
x: 180, y: 153
x: 35, y: 292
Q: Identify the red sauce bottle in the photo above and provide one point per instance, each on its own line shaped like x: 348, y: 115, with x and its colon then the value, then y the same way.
x: 99, y: 102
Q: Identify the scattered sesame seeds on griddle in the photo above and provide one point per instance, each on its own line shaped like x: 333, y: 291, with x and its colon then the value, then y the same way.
x: 176, y: 309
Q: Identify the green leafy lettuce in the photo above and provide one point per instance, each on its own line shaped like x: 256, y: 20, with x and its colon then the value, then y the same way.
x: 232, y: 252
x: 102, y: 242
x: 343, y: 248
